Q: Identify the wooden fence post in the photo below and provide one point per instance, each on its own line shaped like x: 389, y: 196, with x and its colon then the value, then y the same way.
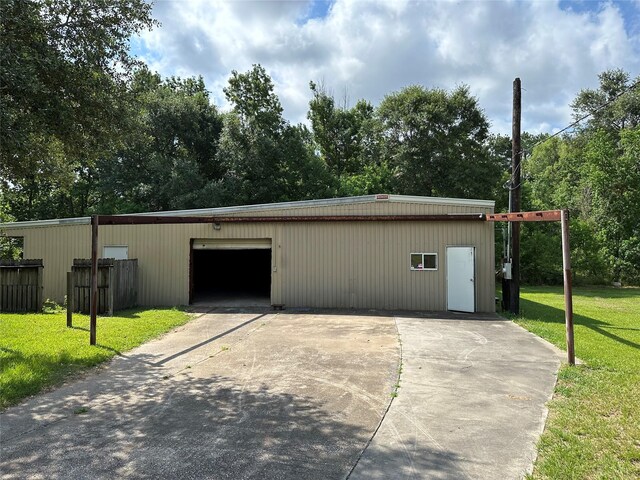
x: 110, y: 292
x: 69, y: 299
x: 39, y: 289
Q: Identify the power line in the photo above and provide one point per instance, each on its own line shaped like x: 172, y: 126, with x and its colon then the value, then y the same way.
x: 523, y: 151
x: 606, y: 104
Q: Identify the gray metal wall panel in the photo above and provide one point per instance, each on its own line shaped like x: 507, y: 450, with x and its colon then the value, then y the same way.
x: 379, y: 207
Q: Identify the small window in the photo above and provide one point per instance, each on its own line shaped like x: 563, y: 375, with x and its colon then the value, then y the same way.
x: 424, y: 261
x: 117, y: 252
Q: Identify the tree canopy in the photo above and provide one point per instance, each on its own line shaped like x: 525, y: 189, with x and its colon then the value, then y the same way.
x: 63, y: 71
x: 595, y: 172
x: 436, y: 142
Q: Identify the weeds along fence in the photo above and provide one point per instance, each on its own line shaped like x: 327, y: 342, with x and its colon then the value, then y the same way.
x: 117, y: 285
x: 21, y: 285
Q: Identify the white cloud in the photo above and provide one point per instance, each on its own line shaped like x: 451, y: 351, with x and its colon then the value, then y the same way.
x: 371, y: 48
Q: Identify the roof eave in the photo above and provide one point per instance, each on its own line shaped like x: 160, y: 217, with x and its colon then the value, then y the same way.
x: 270, y: 206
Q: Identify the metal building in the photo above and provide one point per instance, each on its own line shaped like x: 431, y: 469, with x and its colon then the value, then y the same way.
x: 397, y: 252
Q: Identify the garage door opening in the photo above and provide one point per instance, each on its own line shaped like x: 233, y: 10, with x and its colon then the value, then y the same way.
x: 231, y: 276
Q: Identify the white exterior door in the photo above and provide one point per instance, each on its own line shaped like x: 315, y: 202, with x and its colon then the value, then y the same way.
x: 461, y: 279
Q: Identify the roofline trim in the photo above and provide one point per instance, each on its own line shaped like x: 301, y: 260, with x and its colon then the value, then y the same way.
x: 267, y: 206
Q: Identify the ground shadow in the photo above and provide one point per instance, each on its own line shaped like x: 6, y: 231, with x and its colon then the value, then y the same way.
x: 201, y: 309
x: 136, y: 422
x: 427, y: 463
x: 209, y: 340
x: 548, y: 314
x: 79, y: 328
x: 609, y: 292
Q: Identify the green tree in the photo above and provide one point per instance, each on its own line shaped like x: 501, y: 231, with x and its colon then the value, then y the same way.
x: 499, y: 147
x: 64, y: 68
x: 612, y: 172
x: 595, y: 173
x: 555, y: 180
x: 169, y: 155
x: 266, y: 158
x: 344, y: 136
x: 10, y: 248
x: 63, y: 71
x: 436, y: 143
x: 254, y: 101
x: 374, y: 178
x: 622, y: 111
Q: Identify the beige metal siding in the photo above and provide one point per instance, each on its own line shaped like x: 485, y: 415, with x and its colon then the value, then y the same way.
x: 364, y: 265
x: 57, y: 246
x: 337, y: 264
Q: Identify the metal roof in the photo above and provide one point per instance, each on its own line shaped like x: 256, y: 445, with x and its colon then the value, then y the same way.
x: 270, y: 206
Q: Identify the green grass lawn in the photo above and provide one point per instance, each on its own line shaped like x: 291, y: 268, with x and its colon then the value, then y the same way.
x: 39, y: 351
x: 593, y: 428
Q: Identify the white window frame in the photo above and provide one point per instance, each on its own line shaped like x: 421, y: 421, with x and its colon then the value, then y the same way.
x: 104, y: 249
x: 423, y: 255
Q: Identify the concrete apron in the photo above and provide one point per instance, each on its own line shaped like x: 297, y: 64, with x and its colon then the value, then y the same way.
x: 229, y: 395
x: 471, y: 402
x: 254, y: 395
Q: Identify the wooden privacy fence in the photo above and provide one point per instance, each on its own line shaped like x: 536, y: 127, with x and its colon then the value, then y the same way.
x: 117, y: 284
x: 21, y: 285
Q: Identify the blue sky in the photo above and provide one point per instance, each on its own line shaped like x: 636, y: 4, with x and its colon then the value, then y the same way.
x: 317, y: 9
x: 369, y: 48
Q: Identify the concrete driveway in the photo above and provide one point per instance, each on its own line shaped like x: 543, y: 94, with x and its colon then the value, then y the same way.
x: 471, y: 402
x: 296, y: 396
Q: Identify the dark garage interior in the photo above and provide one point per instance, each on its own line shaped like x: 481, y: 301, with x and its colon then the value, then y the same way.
x: 231, y: 277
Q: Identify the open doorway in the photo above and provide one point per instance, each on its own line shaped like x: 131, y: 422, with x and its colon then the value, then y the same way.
x: 228, y: 275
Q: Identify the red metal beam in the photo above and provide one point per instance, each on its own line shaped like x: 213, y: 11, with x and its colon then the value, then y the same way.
x: 465, y: 217
x: 542, y: 216
x: 159, y: 220
x: 150, y: 220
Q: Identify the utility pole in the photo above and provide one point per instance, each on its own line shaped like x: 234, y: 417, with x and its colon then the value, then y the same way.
x: 514, y: 198
x: 568, y: 296
x: 93, y: 302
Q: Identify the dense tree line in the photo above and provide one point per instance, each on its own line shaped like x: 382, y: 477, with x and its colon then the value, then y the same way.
x: 176, y: 150
x: 595, y: 173
x: 88, y: 129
